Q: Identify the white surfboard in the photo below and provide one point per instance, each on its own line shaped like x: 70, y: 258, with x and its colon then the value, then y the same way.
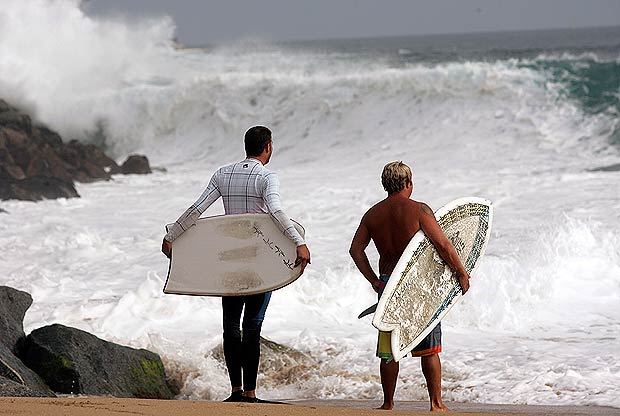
x: 231, y: 255
x: 422, y: 289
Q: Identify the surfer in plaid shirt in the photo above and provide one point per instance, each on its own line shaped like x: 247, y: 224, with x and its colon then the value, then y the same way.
x: 391, y: 223
x: 245, y: 187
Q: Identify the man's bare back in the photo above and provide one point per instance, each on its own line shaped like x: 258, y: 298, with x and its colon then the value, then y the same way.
x: 391, y: 224
x: 403, y: 215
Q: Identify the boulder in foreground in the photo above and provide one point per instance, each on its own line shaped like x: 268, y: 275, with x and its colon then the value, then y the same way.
x: 13, y: 306
x: 72, y: 361
x: 12, y: 369
x: 9, y: 388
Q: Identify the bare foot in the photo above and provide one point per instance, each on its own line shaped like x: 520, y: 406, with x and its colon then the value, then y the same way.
x: 439, y: 408
x: 385, y: 406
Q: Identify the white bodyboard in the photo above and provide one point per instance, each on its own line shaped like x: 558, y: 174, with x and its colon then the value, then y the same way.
x: 422, y: 289
x: 231, y: 255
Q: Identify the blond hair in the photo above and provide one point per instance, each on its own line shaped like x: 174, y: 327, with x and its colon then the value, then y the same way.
x: 395, y: 177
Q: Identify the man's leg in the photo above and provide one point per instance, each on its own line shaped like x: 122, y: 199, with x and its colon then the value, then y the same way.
x: 231, y: 308
x: 431, y: 368
x: 429, y: 350
x: 255, y: 308
x: 389, y: 376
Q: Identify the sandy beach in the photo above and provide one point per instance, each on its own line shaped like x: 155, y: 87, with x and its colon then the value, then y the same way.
x: 87, y: 406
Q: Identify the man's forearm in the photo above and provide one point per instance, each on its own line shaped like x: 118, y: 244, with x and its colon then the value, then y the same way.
x: 287, y: 227
x: 450, y: 256
x: 186, y: 220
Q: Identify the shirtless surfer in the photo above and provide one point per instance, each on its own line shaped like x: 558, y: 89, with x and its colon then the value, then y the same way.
x: 391, y: 223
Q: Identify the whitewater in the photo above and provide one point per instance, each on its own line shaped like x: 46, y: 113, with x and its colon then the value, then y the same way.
x: 526, y: 128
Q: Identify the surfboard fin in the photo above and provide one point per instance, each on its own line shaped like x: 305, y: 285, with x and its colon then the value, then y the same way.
x: 368, y: 311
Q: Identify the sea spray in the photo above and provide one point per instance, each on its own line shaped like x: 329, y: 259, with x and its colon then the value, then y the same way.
x: 500, y: 127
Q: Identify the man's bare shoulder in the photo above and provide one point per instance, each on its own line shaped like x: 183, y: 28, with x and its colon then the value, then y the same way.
x: 386, y: 206
x: 374, y: 211
x: 425, y: 209
x: 369, y: 214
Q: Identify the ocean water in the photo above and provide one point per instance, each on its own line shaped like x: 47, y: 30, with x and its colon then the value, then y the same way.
x: 522, y: 119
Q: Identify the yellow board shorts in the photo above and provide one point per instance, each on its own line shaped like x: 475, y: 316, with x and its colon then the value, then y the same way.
x: 428, y: 346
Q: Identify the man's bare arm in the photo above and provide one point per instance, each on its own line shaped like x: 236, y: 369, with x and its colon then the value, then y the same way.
x: 166, y: 248
x: 444, y: 247
x: 361, y: 239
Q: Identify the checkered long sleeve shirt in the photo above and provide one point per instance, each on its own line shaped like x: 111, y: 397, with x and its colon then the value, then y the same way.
x: 245, y: 187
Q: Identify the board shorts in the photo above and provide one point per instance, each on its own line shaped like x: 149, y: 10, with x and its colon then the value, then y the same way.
x: 430, y: 345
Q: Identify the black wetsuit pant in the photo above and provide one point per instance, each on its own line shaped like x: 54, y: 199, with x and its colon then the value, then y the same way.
x: 242, y: 349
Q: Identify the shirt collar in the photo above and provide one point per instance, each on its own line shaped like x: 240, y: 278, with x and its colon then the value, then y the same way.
x: 251, y: 159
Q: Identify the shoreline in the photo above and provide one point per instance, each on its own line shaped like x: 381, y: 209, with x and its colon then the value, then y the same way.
x: 107, y: 406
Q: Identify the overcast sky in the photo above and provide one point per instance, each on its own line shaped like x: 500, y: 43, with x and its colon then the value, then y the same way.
x: 205, y: 21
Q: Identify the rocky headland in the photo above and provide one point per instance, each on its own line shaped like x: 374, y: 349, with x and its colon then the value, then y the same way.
x: 35, y: 163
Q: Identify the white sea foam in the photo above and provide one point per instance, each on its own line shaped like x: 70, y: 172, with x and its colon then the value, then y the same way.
x: 541, y: 321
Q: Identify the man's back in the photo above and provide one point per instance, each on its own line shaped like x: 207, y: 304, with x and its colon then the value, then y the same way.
x: 246, y: 186
x: 391, y: 223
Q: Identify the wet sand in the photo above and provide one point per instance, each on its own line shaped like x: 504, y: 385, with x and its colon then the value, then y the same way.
x: 87, y: 406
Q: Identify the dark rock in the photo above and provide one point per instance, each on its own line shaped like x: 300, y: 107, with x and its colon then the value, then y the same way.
x: 279, y: 363
x: 87, y: 162
x: 13, y: 369
x: 30, y: 167
x: 43, y: 135
x: 72, y: 361
x: 36, y: 164
x: 13, y: 306
x: 8, y: 166
x: 9, y: 388
x: 137, y: 164
x: 12, y: 117
x: 37, y: 188
x: 45, y: 162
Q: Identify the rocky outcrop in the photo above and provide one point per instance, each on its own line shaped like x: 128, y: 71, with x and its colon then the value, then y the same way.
x: 35, y: 163
x: 68, y: 360
x: 10, y: 388
x: 13, y: 306
x: 12, y: 368
x: 136, y: 164
x: 87, y: 163
x: 72, y: 361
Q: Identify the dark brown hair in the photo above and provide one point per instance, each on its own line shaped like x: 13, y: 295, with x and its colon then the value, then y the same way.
x: 256, y: 140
